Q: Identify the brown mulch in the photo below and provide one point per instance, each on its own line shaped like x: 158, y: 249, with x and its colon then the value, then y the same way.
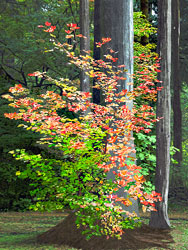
x: 66, y: 233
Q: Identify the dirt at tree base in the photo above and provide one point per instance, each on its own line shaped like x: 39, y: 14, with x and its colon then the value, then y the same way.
x: 66, y: 233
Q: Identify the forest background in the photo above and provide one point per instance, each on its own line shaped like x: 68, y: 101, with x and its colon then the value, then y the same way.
x: 22, y: 47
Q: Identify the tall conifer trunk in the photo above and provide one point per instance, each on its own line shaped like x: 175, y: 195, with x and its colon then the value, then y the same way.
x: 116, y: 22
x: 177, y: 118
x: 160, y: 218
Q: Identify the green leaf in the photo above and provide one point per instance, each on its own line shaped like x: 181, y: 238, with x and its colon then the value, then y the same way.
x: 152, y: 158
x: 141, y: 156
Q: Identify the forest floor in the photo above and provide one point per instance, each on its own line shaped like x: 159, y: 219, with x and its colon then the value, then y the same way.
x: 19, y: 230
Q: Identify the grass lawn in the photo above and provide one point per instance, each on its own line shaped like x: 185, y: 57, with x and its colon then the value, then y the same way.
x: 18, y: 230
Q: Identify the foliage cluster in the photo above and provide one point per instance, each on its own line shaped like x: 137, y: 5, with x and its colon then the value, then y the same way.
x: 30, y: 41
x: 22, y: 47
x: 144, y: 143
x: 97, y: 142
x: 14, y: 193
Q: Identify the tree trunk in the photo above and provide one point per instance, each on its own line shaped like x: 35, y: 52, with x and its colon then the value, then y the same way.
x: 116, y: 22
x: 160, y: 218
x: 177, y: 118
x: 84, y: 42
x: 144, y: 5
x: 96, y: 52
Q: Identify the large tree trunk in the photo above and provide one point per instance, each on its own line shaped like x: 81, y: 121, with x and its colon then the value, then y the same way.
x: 160, y: 218
x: 177, y: 118
x: 84, y: 42
x: 116, y: 22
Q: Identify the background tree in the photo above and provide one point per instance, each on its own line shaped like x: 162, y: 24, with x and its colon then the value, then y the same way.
x: 96, y: 49
x: 84, y: 42
x: 183, y: 49
x: 160, y: 218
x: 176, y: 84
x: 144, y: 6
x: 23, y: 42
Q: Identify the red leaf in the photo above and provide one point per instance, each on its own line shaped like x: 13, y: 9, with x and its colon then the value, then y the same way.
x: 68, y: 31
x: 47, y: 23
x: 51, y: 29
x: 32, y: 74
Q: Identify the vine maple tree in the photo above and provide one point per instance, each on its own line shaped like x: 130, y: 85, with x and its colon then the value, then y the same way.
x: 77, y: 177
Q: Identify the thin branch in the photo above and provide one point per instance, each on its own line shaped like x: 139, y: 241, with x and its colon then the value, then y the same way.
x: 11, y: 77
x: 70, y: 5
x: 10, y: 50
x: 11, y: 67
x: 23, y: 74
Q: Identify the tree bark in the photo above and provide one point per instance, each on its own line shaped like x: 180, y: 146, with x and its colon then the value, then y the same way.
x: 84, y: 42
x: 96, y: 52
x: 160, y: 218
x: 177, y: 117
x: 144, y: 5
x: 116, y: 22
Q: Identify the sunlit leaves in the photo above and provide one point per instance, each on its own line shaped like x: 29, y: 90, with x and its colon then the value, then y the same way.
x: 85, y: 143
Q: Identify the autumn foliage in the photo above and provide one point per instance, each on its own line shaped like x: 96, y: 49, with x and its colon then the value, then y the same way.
x: 96, y: 141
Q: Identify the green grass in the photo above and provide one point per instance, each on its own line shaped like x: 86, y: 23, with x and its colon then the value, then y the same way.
x: 18, y: 231
x: 179, y: 233
x: 178, y: 215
